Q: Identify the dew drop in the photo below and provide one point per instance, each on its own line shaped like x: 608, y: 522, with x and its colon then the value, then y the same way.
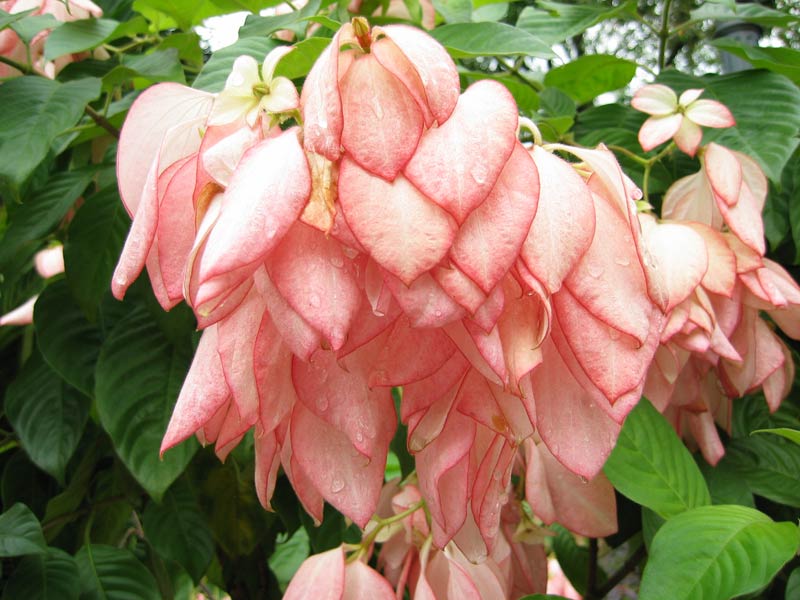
x: 360, y: 437
x: 594, y: 269
x: 322, y: 403
x: 270, y: 233
x: 377, y: 109
x: 337, y: 261
x: 583, y: 479
x: 613, y: 333
x: 479, y: 173
x: 314, y: 300
x: 622, y: 261
x: 337, y: 485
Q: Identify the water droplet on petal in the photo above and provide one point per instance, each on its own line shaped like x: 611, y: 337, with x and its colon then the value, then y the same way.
x: 595, y: 270
x: 322, y: 403
x: 314, y: 300
x: 613, y: 333
x: 622, y: 261
x: 438, y: 314
x: 359, y: 437
x: 337, y: 485
x: 583, y: 479
x: 337, y: 261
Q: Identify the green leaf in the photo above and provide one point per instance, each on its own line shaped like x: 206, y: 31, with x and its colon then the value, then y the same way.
x: 77, y: 36
x: 555, y: 22
x: 32, y: 25
x: 68, y: 342
x: 6, y: 18
x: 139, y: 373
x: 750, y: 12
x: 47, y: 414
x: 40, y: 214
x: 793, y: 585
x: 96, y: 236
x: 769, y: 465
x: 785, y: 61
x: 725, y: 483
x: 468, y: 40
x: 651, y: 523
x: 766, y: 121
x: 187, y: 45
x: 300, y: 60
x: 157, y: 66
x: 651, y: 466
x: 109, y: 573
x: 178, y: 530
x: 789, y: 434
x: 543, y: 597
x: 35, y: 111
x: 454, y: 11
x: 716, y: 552
x: 589, y: 76
x: 790, y: 188
x: 50, y: 576
x: 20, y: 532
x: 573, y: 559
x: 288, y: 556
x: 263, y: 26
x: 216, y: 70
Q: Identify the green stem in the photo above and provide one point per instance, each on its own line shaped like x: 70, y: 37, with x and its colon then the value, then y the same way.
x: 102, y: 121
x: 369, y: 539
x: 17, y: 65
x: 629, y: 154
x: 663, y: 35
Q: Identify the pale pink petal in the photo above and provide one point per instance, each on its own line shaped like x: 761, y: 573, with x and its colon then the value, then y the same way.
x: 688, y: 137
x: 490, y: 239
x: 655, y: 99
x: 490, y: 347
x: 271, y: 61
x: 523, y: 326
x: 321, y: 577
x: 420, y: 396
x: 435, y: 67
x: 405, y: 233
x: 721, y: 274
x: 459, y: 287
x: 424, y: 302
x: 393, y: 60
x: 458, y: 163
x: 282, y: 96
x: 710, y: 113
x: 704, y: 431
x: 50, y: 261
x: 364, y: 583
x: 382, y: 122
x: 657, y: 130
x: 465, y: 340
x: 22, y: 315
x: 268, y: 459
x: 266, y: 195
x: 691, y: 199
x: 744, y: 220
x: 689, y: 96
x: 724, y: 173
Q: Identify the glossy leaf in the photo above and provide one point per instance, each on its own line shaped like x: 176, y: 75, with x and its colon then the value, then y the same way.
x: 556, y: 21
x: 789, y: 434
x: 216, y: 70
x: 765, y: 122
x: 288, y: 556
x: 77, y: 36
x: 716, y: 552
x: 20, y: 532
x: 652, y: 467
x: 751, y: 12
x: 47, y: 414
x: 785, y: 61
x: 589, y: 76
x: 769, y: 464
x: 110, y: 573
x: 464, y: 40
x: 139, y: 373
x: 264, y: 26
x: 35, y: 111
x: 50, y: 576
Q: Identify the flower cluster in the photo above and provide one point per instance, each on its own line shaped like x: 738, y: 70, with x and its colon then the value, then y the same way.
x: 12, y: 47
x: 384, y: 229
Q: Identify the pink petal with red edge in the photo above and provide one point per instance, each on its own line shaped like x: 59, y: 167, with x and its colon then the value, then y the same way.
x: 203, y: 393
x: 655, y: 99
x: 420, y: 396
x: 688, y: 137
x: 459, y: 287
x: 382, y: 122
x: 268, y: 459
x: 564, y: 225
x: 321, y: 577
x: 710, y: 113
x: 720, y: 277
x: 704, y: 431
x: 489, y: 312
x: 306, y: 491
x: 609, y: 280
x: 489, y: 241
x: 442, y: 472
x: 343, y: 400
x: 393, y: 60
x: 425, y: 426
x: 753, y: 177
x: 155, y: 111
x: 689, y: 96
x: 657, y: 130
x: 476, y: 400
x: 368, y: 326
x: 724, y: 173
x: 273, y: 370
x: 424, y: 302
x: 450, y: 580
x: 344, y: 477
x: 267, y: 193
x: 489, y: 490
x: 463, y: 338
x: 317, y: 280
x: 434, y: 65
x: 296, y: 333
x: 691, y: 199
x: 365, y: 583
x: 523, y: 327
x: 586, y: 508
x: 321, y: 103
x: 744, y: 220
x: 410, y: 355
x: 577, y: 431
x: 404, y: 231
x: 679, y: 261
x: 458, y: 163
x: 490, y: 347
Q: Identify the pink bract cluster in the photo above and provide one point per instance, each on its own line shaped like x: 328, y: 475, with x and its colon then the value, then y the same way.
x: 399, y: 234
x: 11, y: 46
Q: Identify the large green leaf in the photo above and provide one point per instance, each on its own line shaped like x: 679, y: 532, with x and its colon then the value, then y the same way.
x: 256, y: 25
x: 465, y: 40
x: 216, y: 70
x: 35, y: 111
x: 178, y: 530
x: 793, y: 585
x: 589, y: 76
x: 454, y: 11
x: 6, y: 18
x: 288, y: 556
x: 139, y: 373
x: 77, y: 36
x: 30, y: 26
x: 716, y: 552
x: 40, y: 213
x: 769, y: 465
x: 47, y: 414
x: 785, y: 61
x: 20, y: 532
x: 573, y: 559
x: 96, y: 236
x: 300, y: 60
x: 69, y: 343
x: 725, y: 483
x: 751, y: 12
x: 50, y: 576
x: 160, y: 65
x: 651, y: 466
x: 555, y: 22
x: 766, y: 107
x: 109, y: 573
x: 787, y: 432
